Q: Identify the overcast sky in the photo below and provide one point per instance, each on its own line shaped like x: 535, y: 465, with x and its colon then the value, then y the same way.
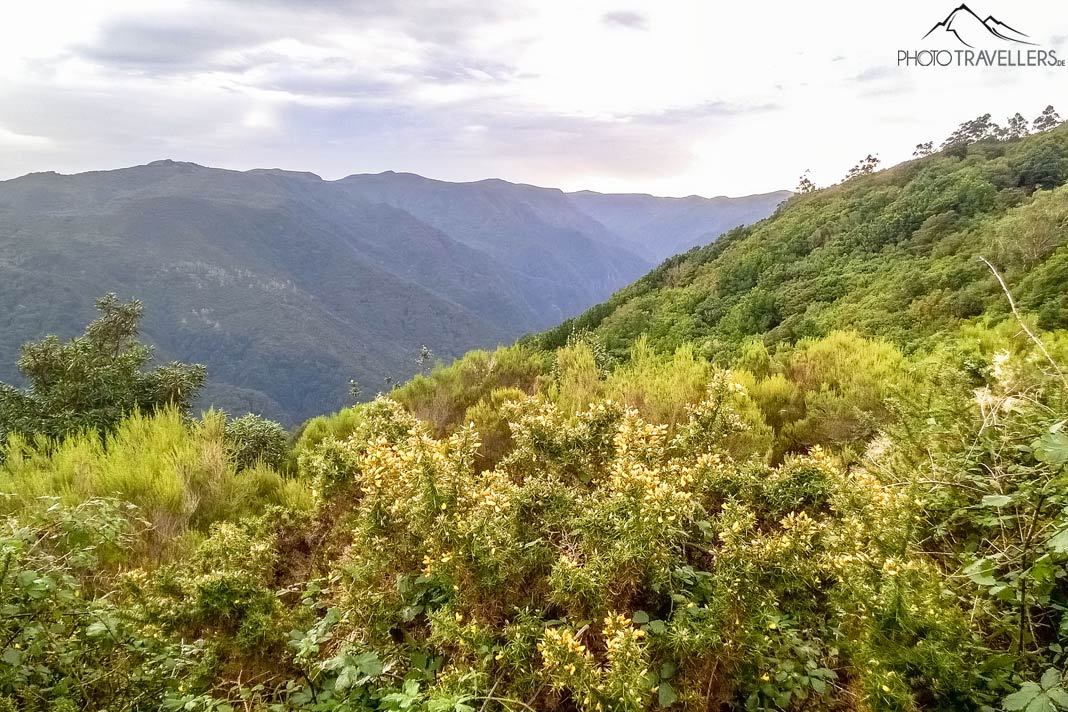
x: 668, y: 97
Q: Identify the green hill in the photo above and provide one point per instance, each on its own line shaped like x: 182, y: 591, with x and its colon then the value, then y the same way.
x: 893, y: 255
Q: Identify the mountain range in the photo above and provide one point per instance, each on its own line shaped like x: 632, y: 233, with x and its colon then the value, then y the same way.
x: 287, y: 286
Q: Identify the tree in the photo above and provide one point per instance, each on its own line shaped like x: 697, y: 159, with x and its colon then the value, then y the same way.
x: 805, y: 184
x: 1046, y: 120
x: 969, y: 132
x: 924, y: 149
x: 1017, y: 126
x: 865, y: 166
x: 355, y: 390
x: 93, y: 380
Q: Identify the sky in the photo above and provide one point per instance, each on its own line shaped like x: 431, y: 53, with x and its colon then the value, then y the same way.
x: 673, y: 97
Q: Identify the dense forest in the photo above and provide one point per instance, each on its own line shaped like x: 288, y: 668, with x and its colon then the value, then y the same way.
x: 819, y: 464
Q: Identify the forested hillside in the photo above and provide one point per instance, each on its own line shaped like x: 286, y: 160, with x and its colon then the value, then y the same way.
x: 819, y: 464
x: 287, y: 286
x: 892, y: 254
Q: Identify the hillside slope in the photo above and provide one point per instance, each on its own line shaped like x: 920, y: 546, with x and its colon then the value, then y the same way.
x: 892, y: 255
x: 285, y: 285
x: 558, y: 257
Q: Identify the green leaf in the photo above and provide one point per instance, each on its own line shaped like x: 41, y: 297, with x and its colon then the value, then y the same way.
x: 666, y: 695
x: 1022, y: 697
x: 369, y: 664
x: 1051, y: 678
x: 12, y: 657
x: 996, y: 500
x: 96, y: 629
x: 345, y: 679
x: 439, y: 704
x: 1040, y: 704
x: 641, y: 617
x: 1042, y: 571
x: 1059, y: 541
x: 1059, y: 696
x: 1052, y: 449
x: 981, y: 572
x: 657, y: 627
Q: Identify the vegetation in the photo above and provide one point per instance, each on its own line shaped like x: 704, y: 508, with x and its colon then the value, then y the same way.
x: 821, y: 464
x: 893, y: 255
x: 92, y: 381
x: 286, y: 286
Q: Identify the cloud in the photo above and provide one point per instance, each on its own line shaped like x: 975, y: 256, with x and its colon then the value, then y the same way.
x: 165, y: 44
x: 704, y: 110
x: 872, y: 74
x: 544, y: 91
x: 11, y: 139
x: 625, y: 18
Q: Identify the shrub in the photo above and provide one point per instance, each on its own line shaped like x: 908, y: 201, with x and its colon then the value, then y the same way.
x: 178, y: 474
x: 253, y: 439
x: 68, y: 644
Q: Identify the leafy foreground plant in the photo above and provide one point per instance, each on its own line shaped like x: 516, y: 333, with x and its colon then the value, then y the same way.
x: 67, y: 644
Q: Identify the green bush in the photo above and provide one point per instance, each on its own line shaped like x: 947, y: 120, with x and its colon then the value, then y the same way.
x: 252, y: 439
x: 180, y: 475
x: 91, y: 382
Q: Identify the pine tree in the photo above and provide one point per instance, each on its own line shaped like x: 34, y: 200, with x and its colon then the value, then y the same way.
x: 1017, y: 126
x: 969, y: 132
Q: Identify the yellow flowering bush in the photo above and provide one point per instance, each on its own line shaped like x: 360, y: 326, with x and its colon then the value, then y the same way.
x: 613, y: 563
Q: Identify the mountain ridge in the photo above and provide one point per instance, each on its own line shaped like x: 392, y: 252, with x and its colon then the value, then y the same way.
x: 287, y: 285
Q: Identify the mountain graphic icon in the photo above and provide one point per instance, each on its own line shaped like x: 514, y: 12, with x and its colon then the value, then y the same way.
x: 970, y: 30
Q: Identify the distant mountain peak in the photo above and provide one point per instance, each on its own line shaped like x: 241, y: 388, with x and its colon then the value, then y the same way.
x: 172, y: 162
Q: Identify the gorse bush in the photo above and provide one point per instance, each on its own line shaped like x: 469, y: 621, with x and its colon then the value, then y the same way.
x: 609, y: 562
x: 443, y: 396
